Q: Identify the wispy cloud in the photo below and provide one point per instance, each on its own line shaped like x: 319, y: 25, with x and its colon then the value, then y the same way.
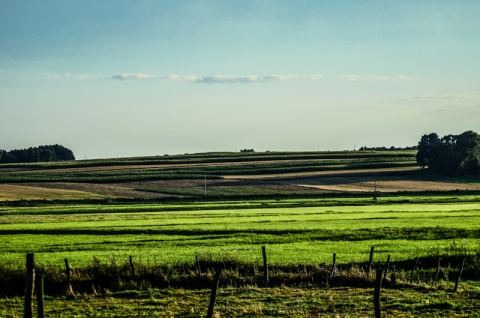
x: 137, y: 76
x: 220, y: 79
x: 356, y: 77
x: 71, y: 77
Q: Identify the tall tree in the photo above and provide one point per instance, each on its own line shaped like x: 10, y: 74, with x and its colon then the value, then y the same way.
x: 451, y: 154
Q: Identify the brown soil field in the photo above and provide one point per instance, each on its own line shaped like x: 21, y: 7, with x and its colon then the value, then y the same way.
x: 382, y: 183
x: 9, y: 192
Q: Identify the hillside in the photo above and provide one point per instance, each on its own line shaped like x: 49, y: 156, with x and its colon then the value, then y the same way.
x: 223, y: 175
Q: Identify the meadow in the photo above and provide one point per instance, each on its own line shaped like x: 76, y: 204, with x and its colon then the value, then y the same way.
x: 175, y: 233
x: 179, y: 227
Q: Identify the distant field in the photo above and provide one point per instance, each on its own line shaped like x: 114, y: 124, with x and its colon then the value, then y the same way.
x: 224, y: 175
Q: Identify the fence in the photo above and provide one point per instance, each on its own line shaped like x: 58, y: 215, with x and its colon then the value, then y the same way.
x: 34, y: 279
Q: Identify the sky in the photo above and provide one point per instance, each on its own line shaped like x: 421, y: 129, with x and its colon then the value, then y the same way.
x: 123, y: 78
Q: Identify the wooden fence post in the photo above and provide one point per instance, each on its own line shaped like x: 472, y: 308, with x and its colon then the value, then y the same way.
x: 415, y: 264
x: 459, y: 275
x: 213, y: 295
x: 39, y: 280
x: 436, y: 272
x: 370, y: 262
x: 199, y: 271
x: 376, y: 296
x: 68, y: 289
x: 265, y: 267
x: 386, y: 267
x: 29, y: 286
x: 132, y: 267
x: 332, y: 272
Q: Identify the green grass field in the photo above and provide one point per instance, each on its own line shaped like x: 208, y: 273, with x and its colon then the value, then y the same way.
x: 173, y: 234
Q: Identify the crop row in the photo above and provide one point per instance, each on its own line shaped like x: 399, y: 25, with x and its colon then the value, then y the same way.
x: 195, y: 172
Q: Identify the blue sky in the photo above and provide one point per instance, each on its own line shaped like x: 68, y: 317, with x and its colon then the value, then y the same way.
x: 127, y: 78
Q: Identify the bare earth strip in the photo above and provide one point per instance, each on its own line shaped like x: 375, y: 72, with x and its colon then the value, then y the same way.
x: 383, y: 184
x: 9, y: 192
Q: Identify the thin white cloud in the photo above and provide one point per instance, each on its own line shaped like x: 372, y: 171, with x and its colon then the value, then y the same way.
x: 71, y: 77
x: 220, y: 79
x: 356, y: 77
x: 138, y: 76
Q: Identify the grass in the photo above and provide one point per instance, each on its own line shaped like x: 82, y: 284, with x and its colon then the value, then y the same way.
x: 261, y: 302
x: 292, y: 234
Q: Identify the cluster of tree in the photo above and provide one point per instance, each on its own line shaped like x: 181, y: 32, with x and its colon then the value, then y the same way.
x: 385, y: 148
x: 450, y: 154
x: 37, y: 154
x: 247, y: 150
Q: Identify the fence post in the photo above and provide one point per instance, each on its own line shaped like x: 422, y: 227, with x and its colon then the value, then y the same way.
x: 386, y: 267
x: 132, y: 267
x: 415, y: 264
x: 68, y: 289
x: 29, y: 287
x: 376, y: 296
x: 40, y: 295
x: 199, y: 271
x: 332, y: 272
x: 265, y: 266
x: 370, y: 262
x: 459, y: 275
x: 436, y: 272
x: 213, y: 295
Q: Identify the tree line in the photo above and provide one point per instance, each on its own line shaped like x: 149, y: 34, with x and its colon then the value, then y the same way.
x: 450, y: 154
x: 37, y: 154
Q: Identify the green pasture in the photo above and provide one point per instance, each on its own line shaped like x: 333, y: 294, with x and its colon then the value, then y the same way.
x: 261, y: 302
x: 293, y: 234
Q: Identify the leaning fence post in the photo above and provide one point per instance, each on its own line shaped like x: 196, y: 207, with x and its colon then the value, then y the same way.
x: 415, y: 264
x: 68, y: 289
x: 29, y: 286
x: 40, y: 295
x: 370, y: 262
x: 265, y: 267
x: 213, y: 295
x: 459, y: 275
x: 436, y: 272
x: 376, y: 295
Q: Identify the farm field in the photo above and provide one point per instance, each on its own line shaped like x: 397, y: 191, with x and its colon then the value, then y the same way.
x: 175, y: 233
x: 180, y: 217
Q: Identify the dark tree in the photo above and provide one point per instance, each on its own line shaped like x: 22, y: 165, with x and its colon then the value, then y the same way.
x: 451, y: 154
x: 427, y: 150
x: 38, y: 154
